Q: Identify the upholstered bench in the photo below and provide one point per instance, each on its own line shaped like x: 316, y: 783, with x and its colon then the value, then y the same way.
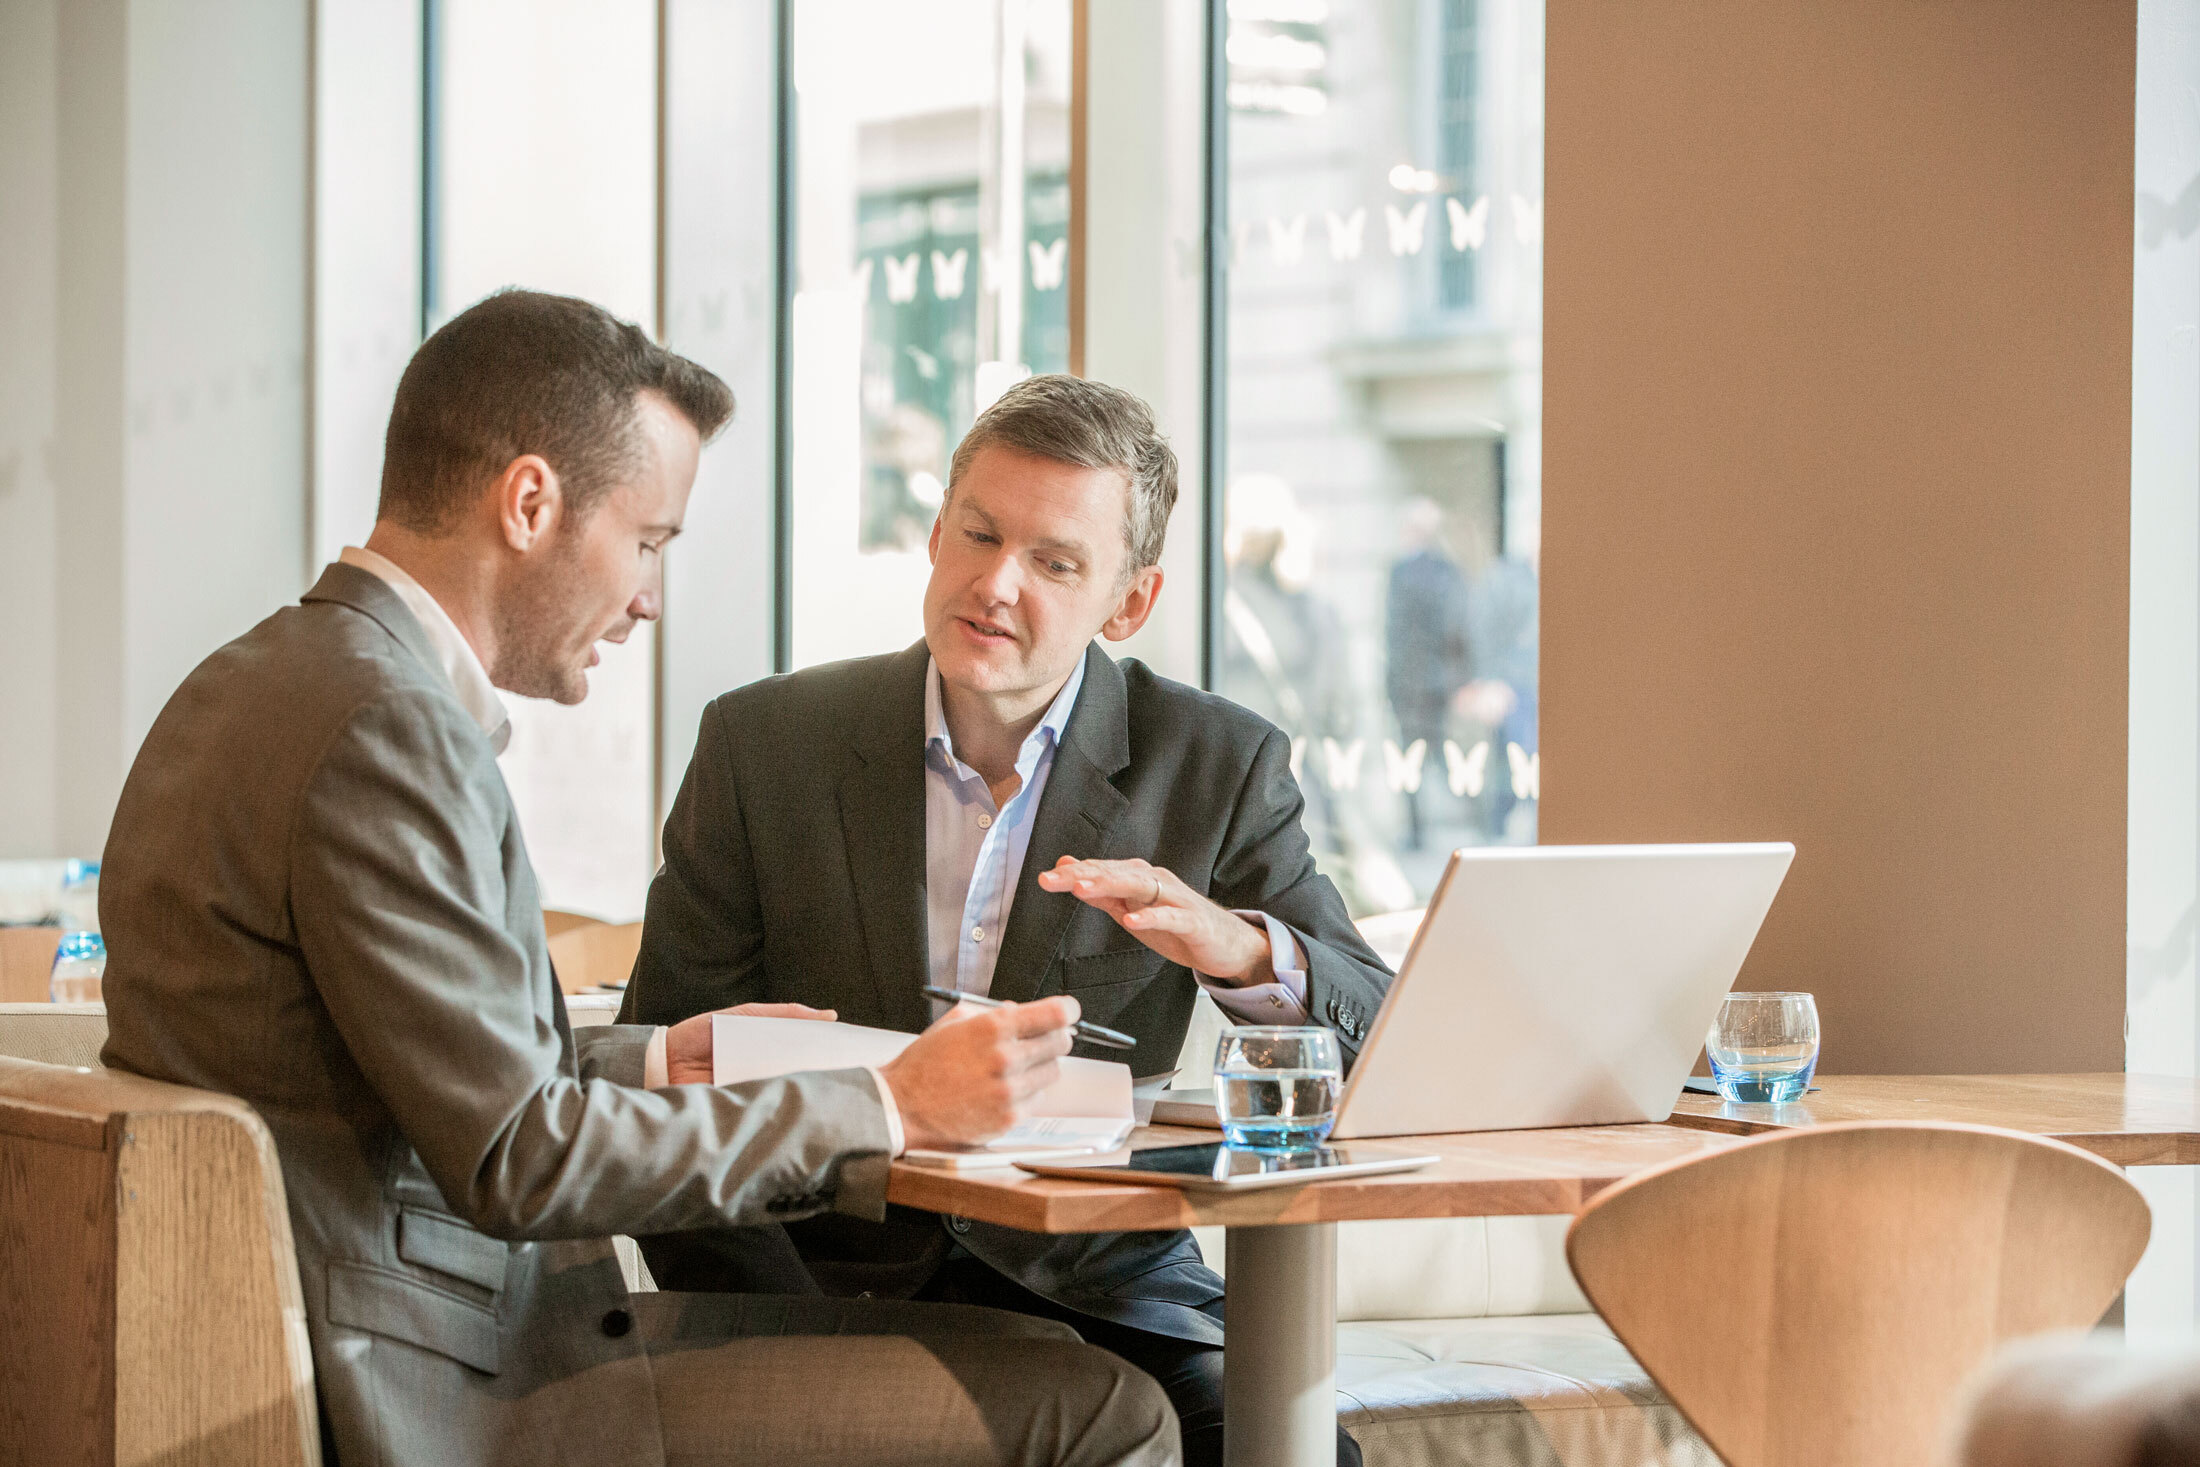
x: 1465, y: 1342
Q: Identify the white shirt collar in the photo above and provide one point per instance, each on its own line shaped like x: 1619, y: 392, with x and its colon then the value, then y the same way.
x: 1049, y: 730
x: 453, y: 653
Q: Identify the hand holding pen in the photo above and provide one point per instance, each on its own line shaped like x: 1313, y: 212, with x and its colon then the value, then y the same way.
x: 1089, y: 1033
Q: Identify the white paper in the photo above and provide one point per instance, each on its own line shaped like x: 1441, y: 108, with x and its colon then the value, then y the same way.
x: 1087, y: 1108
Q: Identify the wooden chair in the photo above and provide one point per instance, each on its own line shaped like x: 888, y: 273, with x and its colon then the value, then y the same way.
x: 588, y: 953
x: 26, y: 963
x: 1816, y: 1298
x: 149, y: 1303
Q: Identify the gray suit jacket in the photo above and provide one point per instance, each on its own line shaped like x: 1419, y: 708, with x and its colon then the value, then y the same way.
x: 316, y: 897
x: 794, y: 870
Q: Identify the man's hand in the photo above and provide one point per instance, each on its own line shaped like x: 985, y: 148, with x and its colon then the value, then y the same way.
x: 968, y: 1077
x: 1169, y: 917
x: 687, y: 1043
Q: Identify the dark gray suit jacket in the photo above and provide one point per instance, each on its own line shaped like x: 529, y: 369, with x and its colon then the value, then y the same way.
x: 316, y: 897
x: 794, y: 871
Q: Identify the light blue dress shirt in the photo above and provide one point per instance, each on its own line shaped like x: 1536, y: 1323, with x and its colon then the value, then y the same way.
x: 974, y: 852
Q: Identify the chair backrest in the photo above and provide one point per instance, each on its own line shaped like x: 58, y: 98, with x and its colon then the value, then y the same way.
x: 1816, y: 1298
x: 26, y: 963
x: 149, y: 1302
x: 587, y: 953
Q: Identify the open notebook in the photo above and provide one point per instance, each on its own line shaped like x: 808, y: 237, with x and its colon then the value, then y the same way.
x: 1087, y: 1109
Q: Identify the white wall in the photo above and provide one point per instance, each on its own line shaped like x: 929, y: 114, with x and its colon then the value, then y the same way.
x: 214, y: 333
x: 2163, y: 1033
x: 29, y: 236
x: 154, y: 324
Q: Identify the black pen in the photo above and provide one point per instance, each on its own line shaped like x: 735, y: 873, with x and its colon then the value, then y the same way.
x: 1090, y: 1033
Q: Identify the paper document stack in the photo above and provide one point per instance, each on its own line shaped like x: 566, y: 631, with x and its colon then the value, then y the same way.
x: 1088, y: 1108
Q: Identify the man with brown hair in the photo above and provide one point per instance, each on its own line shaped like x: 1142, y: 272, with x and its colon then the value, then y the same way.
x: 1004, y: 809
x: 316, y: 897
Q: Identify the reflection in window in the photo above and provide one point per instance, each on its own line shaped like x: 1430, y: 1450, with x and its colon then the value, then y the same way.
x: 545, y: 139
x: 1383, y: 420
x: 932, y: 212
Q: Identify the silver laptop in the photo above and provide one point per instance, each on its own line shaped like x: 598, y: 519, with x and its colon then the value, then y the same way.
x: 1559, y: 986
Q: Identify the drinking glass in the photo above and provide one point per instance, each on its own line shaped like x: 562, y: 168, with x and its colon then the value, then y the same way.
x: 1764, y: 1046
x: 1276, y: 1088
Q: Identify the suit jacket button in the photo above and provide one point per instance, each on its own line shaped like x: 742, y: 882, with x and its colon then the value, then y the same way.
x: 958, y: 1223
x: 617, y: 1322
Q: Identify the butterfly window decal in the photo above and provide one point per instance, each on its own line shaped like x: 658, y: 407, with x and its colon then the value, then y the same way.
x: 1346, y: 233
x: 901, y: 278
x: 1408, y: 229
x: 1466, y: 773
x: 948, y: 272
x: 1048, y: 263
x: 1470, y: 228
x: 1402, y: 767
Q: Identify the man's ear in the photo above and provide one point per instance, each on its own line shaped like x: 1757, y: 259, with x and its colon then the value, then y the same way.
x: 932, y: 542
x: 1137, y: 604
x: 529, y: 501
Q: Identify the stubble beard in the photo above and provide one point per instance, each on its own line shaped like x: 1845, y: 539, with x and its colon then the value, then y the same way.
x: 532, y: 625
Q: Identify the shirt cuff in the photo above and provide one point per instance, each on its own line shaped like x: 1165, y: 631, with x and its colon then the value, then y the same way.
x: 655, y: 1074
x: 1280, y: 1002
x: 896, y: 1142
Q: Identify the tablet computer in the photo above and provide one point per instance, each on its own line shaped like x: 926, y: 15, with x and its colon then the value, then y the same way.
x: 1216, y: 1167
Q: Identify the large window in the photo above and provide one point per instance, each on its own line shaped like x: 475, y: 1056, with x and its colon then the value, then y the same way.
x: 543, y: 139
x: 931, y: 184
x: 1382, y: 366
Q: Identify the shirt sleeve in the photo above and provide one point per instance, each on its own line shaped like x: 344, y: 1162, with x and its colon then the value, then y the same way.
x: 656, y: 1072
x: 1280, y: 1002
x: 897, y: 1142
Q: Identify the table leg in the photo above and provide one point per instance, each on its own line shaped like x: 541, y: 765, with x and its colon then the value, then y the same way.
x: 1279, y: 1365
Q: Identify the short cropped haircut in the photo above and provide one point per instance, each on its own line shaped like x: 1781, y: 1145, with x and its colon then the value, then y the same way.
x: 523, y: 372
x: 1094, y: 426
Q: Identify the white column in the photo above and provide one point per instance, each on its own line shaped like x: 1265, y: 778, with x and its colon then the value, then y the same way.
x: 2162, y: 1018
x: 719, y: 292
x: 366, y: 246
x: 1142, y: 255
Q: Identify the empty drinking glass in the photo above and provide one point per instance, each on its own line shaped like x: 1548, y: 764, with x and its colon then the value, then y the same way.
x: 1764, y: 1046
x: 1276, y: 1088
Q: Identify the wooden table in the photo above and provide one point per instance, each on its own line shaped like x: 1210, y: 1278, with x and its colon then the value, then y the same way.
x: 1279, y: 1367
x: 2131, y: 1120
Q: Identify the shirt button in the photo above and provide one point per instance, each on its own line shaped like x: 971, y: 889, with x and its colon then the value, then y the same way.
x: 977, y: 934
x: 617, y: 1322
x: 985, y: 822
x: 958, y: 1224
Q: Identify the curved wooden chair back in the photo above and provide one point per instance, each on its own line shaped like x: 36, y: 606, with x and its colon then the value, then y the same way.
x: 1815, y: 1298
x: 149, y: 1303
x: 587, y: 952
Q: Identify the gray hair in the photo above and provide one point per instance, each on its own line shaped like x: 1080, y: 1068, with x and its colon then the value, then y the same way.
x: 1094, y: 426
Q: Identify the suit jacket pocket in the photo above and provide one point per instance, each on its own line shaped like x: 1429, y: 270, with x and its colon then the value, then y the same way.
x: 361, y: 1296
x: 449, y: 1246
x: 1098, y: 970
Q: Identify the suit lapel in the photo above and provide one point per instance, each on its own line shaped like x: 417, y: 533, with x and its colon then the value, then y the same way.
x: 882, y: 821
x: 1077, y: 809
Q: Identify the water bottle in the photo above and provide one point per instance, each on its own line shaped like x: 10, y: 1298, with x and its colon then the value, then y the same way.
x: 81, y: 960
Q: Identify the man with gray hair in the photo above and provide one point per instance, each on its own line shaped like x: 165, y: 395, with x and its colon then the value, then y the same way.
x: 1005, y: 810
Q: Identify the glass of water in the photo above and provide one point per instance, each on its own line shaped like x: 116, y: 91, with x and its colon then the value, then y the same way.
x: 1276, y: 1088
x: 1764, y: 1046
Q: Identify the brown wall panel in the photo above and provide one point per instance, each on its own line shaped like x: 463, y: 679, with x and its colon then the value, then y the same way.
x: 1837, y: 408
